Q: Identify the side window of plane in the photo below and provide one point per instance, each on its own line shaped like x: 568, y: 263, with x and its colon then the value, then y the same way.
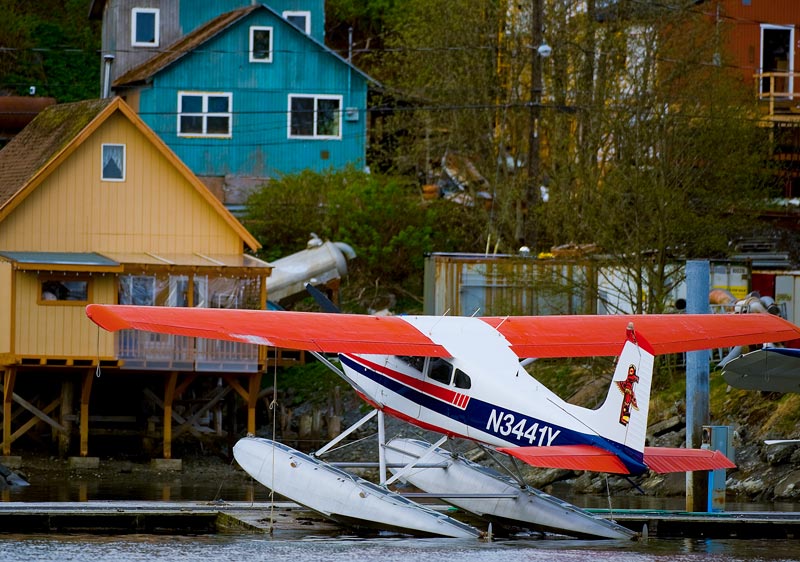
x: 440, y: 370
x: 461, y: 379
x: 414, y: 361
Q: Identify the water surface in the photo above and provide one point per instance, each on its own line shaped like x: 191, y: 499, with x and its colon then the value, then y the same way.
x: 18, y: 548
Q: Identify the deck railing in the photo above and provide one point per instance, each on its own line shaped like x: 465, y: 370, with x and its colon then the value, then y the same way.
x: 777, y: 89
x: 151, y: 351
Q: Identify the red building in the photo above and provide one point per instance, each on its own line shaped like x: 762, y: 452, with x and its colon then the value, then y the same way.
x: 761, y: 39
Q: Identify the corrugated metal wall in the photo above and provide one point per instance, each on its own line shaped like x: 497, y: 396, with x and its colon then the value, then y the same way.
x: 466, y: 285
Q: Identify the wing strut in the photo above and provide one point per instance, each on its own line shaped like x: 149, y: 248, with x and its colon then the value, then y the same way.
x: 410, y: 466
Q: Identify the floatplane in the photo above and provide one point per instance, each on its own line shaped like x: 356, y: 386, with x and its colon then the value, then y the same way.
x: 769, y: 369
x: 465, y: 377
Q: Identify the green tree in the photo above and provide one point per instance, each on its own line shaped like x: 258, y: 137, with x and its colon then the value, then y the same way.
x: 650, y: 149
x: 51, y: 45
x: 443, y: 88
x: 367, y: 19
x: 669, y: 161
x: 383, y: 218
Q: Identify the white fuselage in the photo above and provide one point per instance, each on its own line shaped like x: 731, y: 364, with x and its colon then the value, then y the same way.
x: 488, y: 396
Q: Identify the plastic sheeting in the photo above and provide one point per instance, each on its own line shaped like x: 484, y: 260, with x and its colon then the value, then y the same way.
x: 174, y: 290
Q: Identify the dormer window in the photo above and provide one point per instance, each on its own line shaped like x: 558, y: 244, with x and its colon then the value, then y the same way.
x: 260, y: 44
x: 301, y: 20
x: 144, y: 27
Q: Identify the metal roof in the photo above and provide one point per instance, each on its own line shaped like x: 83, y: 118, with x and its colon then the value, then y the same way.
x: 62, y: 261
x: 191, y: 260
x: 117, y: 262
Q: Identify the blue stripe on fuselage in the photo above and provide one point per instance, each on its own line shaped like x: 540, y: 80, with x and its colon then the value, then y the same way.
x: 508, y: 425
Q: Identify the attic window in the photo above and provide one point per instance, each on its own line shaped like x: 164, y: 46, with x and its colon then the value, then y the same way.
x: 301, y: 20
x: 315, y: 117
x: 144, y: 27
x: 260, y: 44
x: 204, y: 114
x: 113, y: 162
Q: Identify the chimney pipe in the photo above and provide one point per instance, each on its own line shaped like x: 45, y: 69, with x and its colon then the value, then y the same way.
x: 107, y: 61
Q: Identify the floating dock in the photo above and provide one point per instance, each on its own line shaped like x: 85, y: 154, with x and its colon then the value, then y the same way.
x: 157, y: 518
x: 195, y: 518
x: 716, y: 525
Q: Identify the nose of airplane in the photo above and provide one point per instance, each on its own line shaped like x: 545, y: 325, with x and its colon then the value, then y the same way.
x: 253, y: 454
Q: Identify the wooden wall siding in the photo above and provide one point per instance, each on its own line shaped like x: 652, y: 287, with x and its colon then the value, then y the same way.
x: 6, y: 299
x: 59, y: 330
x: 154, y: 210
x: 116, y: 33
x: 742, y: 25
x: 259, y: 145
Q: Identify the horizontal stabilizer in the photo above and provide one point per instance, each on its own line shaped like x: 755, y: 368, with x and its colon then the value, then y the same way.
x: 570, y: 457
x: 670, y: 459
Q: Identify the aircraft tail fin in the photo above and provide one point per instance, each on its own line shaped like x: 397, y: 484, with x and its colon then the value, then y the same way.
x: 621, y: 427
x: 623, y: 416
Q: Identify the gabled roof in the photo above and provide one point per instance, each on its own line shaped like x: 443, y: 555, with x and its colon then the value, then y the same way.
x: 183, y: 46
x: 58, y: 131
x: 193, y: 40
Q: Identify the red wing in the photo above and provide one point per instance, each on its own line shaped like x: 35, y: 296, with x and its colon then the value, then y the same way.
x: 569, y: 457
x: 668, y: 459
x: 329, y: 333
x: 529, y: 336
x: 586, y: 336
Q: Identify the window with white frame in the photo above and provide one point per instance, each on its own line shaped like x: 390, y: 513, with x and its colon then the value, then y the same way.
x: 144, y: 27
x: 260, y: 44
x: 113, y: 162
x: 301, y: 20
x: 203, y: 114
x: 315, y: 116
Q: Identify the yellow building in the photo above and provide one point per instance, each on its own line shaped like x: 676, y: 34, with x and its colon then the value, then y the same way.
x: 95, y: 208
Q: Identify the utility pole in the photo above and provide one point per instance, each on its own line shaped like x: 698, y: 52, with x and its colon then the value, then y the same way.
x: 532, y: 196
x: 698, y: 273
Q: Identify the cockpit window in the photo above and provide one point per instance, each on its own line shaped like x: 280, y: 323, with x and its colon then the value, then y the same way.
x: 462, y: 379
x: 414, y: 361
x: 440, y: 370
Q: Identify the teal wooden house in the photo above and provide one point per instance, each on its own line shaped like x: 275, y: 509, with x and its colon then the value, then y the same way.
x: 240, y: 91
